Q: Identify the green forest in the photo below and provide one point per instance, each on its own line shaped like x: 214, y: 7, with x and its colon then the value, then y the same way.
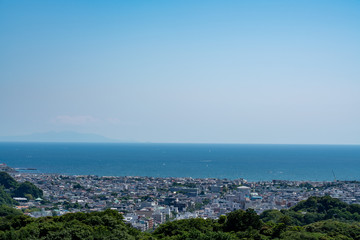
x: 10, y: 188
x: 316, y: 218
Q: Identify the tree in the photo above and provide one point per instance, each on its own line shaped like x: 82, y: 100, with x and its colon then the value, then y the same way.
x: 240, y: 220
x: 5, y: 197
x: 7, y: 181
x: 28, y: 188
x: 8, y: 211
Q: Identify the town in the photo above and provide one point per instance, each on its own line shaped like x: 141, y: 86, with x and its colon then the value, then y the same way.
x: 147, y: 202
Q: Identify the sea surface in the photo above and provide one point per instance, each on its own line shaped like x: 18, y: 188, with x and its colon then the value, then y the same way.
x: 232, y: 161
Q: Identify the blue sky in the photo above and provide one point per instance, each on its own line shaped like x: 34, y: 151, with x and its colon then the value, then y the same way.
x: 182, y: 71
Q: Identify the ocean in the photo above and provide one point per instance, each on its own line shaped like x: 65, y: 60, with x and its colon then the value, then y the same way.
x: 232, y: 161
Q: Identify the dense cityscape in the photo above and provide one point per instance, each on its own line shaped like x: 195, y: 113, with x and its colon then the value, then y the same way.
x: 147, y: 202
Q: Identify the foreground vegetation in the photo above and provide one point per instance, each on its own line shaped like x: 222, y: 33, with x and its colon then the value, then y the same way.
x: 316, y: 218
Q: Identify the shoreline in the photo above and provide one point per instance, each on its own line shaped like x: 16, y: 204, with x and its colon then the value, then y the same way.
x: 276, y: 181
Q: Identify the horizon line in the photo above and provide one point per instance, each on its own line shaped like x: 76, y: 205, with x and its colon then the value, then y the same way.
x: 195, y: 143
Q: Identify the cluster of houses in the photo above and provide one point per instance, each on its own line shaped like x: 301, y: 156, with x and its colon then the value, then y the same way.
x: 147, y: 202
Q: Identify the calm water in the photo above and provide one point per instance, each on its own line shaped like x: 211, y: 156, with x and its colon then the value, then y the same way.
x: 252, y: 162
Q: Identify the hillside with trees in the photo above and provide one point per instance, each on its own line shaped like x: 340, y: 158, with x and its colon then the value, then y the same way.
x: 10, y: 188
x: 318, y: 218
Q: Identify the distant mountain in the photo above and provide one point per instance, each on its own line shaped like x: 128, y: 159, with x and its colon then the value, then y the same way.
x: 65, y: 136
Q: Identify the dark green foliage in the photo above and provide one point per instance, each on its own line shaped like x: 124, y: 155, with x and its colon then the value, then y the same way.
x: 28, y: 188
x: 180, y: 226
x: 10, y: 188
x: 98, y: 225
x: 313, y: 210
x: 319, y: 204
x: 6, y: 211
x: 77, y: 186
x: 7, y: 181
x: 197, y: 228
x: 7, y: 184
x: 5, y: 197
x: 271, y: 215
x: 336, y: 229
x: 68, y: 205
x: 240, y: 220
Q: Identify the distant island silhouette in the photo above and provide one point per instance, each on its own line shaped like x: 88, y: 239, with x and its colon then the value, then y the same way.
x: 61, y: 136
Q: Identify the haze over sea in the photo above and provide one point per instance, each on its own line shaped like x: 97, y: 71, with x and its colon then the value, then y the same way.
x: 252, y: 162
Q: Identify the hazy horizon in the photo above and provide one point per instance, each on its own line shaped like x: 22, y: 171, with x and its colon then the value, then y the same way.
x: 68, y: 137
x: 247, y: 72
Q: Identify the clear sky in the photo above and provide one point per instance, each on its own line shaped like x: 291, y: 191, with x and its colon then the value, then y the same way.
x: 182, y: 71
